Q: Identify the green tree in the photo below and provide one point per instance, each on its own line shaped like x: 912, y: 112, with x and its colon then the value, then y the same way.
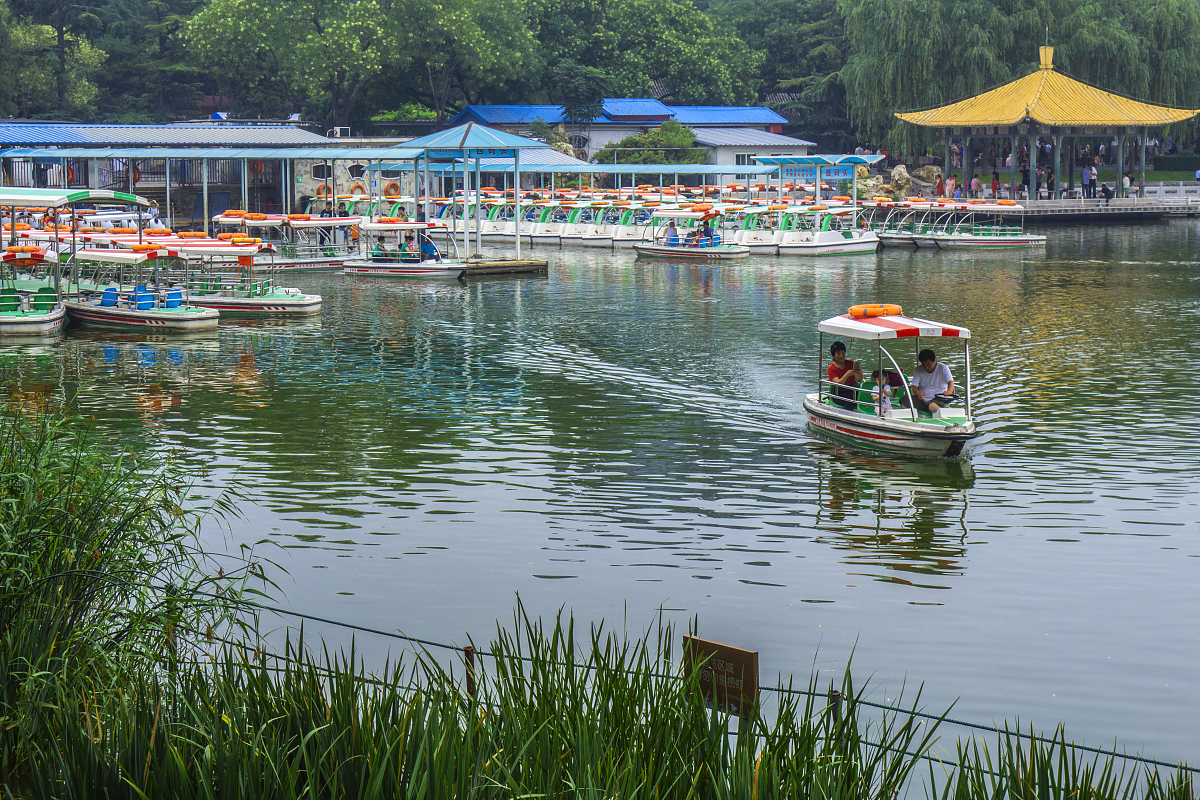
x: 148, y: 75
x: 38, y: 86
x: 807, y: 47
x: 71, y: 21
x: 669, y: 143
x: 315, y: 55
x: 463, y: 49
x: 672, y: 42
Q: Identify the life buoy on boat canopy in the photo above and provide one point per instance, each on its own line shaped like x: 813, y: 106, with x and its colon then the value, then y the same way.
x: 391, y: 190
x: 876, y: 310
x: 257, y: 166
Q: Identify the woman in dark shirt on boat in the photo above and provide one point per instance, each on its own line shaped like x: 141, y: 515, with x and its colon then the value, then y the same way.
x: 846, y: 373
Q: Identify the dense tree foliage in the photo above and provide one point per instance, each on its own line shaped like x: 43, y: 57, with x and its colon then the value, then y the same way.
x: 669, y: 143
x: 838, y: 69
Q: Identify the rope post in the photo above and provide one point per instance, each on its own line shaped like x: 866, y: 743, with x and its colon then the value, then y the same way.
x: 469, y: 658
x: 835, y: 700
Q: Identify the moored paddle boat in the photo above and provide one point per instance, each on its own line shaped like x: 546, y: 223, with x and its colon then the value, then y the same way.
x: 860, y: 416
x: 661, y: 244
x: 27, y: 315
x: 139, y: 308
x: 824, y: 231
x: 390, y: 261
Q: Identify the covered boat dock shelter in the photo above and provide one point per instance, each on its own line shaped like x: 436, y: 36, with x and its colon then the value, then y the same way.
x: 1048, y: 104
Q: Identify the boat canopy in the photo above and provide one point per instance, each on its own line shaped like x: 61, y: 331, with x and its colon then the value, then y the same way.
x: 52, y: 198
x: 672, y: 213
x: 123, y: 256
x: 400, y: 226
x: 889, y: 327
x: 323, y: 222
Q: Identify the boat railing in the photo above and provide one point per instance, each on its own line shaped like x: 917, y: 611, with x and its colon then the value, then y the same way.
x: 237, y: 286
x: 683, y: 241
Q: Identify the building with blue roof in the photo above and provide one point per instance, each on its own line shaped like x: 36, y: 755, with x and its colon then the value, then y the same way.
x: 626, y: 116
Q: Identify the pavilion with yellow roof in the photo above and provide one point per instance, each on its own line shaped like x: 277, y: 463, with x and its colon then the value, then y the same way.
x: 1048, y: 104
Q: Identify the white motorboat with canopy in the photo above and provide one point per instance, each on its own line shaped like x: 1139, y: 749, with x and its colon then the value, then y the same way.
x: 661, y: 242
x: 860, y: 416
x: 383, y: 251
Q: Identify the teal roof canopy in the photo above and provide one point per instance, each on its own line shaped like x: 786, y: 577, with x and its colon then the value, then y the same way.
x: 824, y: 160
x: 473, y: 137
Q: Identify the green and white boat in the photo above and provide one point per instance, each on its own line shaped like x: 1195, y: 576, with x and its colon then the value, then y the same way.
x: 660, y: 243
x: 24, y: 313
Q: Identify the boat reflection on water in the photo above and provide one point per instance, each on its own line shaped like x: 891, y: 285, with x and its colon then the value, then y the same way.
x: 900, y: 519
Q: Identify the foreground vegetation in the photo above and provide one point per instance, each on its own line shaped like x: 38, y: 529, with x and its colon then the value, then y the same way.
x: 111, y: 687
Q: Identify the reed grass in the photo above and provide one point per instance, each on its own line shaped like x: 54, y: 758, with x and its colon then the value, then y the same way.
x: 111, y: 690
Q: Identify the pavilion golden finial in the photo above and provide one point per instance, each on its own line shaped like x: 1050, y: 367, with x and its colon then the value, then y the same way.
x: 1046, y: 52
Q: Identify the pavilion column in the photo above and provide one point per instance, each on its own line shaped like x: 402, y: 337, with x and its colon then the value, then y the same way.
x: 1031, y: 189
x: 1071, y: 155
x: 945, y: 166
x: 167, y: 181
x: 1120, y: 163
x: 1013, y: 167
x: 968, y: 165
x: 1142, y: 166
x: 1057, y: 167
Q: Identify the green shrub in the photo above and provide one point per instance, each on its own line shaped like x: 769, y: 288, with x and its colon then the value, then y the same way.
x: 1186, y: 162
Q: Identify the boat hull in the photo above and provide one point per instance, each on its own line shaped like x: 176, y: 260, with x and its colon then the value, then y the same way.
x: 892, y: 435
x: 188, y: 319
x: 33, y: 323
x: 984, y: 242
x: 434, y: 269
x: 830, y: 246
x: 718, y: 253
x: 297, y: 305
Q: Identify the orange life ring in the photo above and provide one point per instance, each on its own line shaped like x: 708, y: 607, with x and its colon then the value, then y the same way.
x: 256, y: 166
x: 876, y: 310
x: 391, y: 190
x: 843, y: 198
x: 358, y: 188
x: 323, y: 190
x: 137, y: 174
x: 70, y: 175
x: 1006, y: 202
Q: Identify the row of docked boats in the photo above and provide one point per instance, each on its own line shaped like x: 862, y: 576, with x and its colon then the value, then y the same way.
x: 96, y: 265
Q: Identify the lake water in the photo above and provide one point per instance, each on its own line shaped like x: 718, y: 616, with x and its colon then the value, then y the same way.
x: 625, y: 435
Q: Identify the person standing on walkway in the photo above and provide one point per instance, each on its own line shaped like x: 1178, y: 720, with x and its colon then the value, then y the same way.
x: 1085, y: 180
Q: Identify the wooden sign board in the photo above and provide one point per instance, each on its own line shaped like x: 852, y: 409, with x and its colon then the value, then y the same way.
x: 728, y: 675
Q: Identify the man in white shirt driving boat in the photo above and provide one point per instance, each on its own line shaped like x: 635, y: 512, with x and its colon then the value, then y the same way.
x: 932, y: 384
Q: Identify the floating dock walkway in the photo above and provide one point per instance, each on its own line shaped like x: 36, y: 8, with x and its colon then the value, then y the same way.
x: 480, y: 265
x: 1089, y: 210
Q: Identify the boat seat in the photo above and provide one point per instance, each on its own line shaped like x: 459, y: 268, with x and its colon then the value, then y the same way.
x: 45, y: 299
x: 108, y: 297
x: 9, y: 301
x: 174, y: 298
x: 143, y: 300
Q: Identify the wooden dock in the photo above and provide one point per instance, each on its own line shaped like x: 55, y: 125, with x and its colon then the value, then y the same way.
x: 1129, y: 209
x: 503, y: 266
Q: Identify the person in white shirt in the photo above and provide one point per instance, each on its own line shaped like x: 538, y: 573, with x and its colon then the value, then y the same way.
x: 1198, y: 175
x: 932, y: 384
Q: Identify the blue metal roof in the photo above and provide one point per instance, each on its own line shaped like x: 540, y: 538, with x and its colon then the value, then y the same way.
x: 633, y: 108
x: 624, y: 110
x: 16, y: 134
x: 509, y: 115
x: 726, y: 115
x: 319, y: 153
